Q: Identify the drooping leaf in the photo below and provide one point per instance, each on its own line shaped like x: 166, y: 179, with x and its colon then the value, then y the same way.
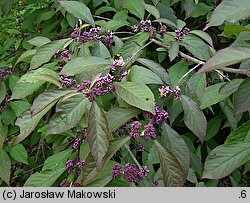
x: 70, y: 113
x: 3, y: 91
x: 118, y: 116
x: 46, y: 98
x: 142, y: 75
x: 39, y: 41
x: 225, y: 57
x: 197, y: 84
x: 211, y: 95
x: 44, y: 178
x: 27, y: 123
x: 242, y: 97
x: 45, y: 52
x: 213, y: 127
x: 173, y: 174
x: 19, y: 153
x: 194, y: 118
x: 239, y: 134
x: 20, y: 106
x: 57, y: 161
x: 227, y: 108
x: 229, y: 10
x: 137, y: 95
x: 156, y: 68
x: 100, y: 50
x: 2, y: 134
x: 173, y: 50
x: 152, y: 10
x: 203, y: 35
x: 25, y: 55
x: 231, y: 86
x: 98, y: 134
x: 177, y: 71
x: 135, y: 7
x: 79, y: 10
x: 34, y: 79
x: 224, y: 159
x: 85, y: 65
x: 5, y: 166
x: 175, y: 144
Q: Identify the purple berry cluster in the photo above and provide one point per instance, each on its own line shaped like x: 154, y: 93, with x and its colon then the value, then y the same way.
x: 163, y: 30
x: 67, y: 81
x: 135, y: 129
x: 160, y: 116
x: 66, y: 183
x: 139, y: 148
x: 76, y: 144
x: 123, y: 129
x: 179, y: 35
x: 60, y: 36
x: 103, y: 86
x: 149, y: 131
x: 117, y: 64
x: 93, y: 35
x: 84, y: 85
x: 166, y: 91
x: 4, y: 73
x: 65, y: 56
x: 132, y: 174
x: 145, y: 26
x: 74, y: 167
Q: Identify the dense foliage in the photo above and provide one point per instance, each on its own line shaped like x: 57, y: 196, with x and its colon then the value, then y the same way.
x: 124, y: 93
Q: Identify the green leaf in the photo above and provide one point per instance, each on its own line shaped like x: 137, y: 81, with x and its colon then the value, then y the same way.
x: 233, y: 29
x: 231, y: 86
x: 242, y: 97
x: 84, y: 151
x: 203, y: 35
x: 44, y: 178
x: 137, y: 95
x: 57, y: 161
x: 115, y: 24
x: 194, y: 118
x: 39, y: 41
x: 211, y: 95
x: 200, y: 9
x: 229, y: 10
x: 102, y: 178
x: 5, y: 167
x: 152, y: 10
x: 173, y: 174
x: 175, y: 144
x: 197, y: 47
x: 118, y: 116
x: 135, y: 7
x: 79, y: 10
x: 156, y: 68
x: 34, y: 79
x: 142, y: 75
x: 46, y: 98
x: 173, y: 50
x: 225, y: 57
x: 25, y: 55
x: 213, y: 127
x: 86, y: 65
x: 27, y: 123
x: 177, y: 71
x: 3, y: 91
x: 45, y: 52
x: 98, y: 134
x: 226, y: 158
x: 2, y: 133
x: 20, y: 106
x: 71, y: 112
x: 227, y: 108
x: 100, y: 50
x: 168, y: 22
x: 19, y: 153
x: 197, y: 84
x: 239, y: 134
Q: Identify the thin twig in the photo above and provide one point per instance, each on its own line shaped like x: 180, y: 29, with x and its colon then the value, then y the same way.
x: 116, y: 33
x: 236, y: 71
x: 132, y: 156
x: 100, y: 17
x: 185, y: 75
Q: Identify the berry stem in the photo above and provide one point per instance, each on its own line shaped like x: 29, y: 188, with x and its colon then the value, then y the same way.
x: 132, y: 156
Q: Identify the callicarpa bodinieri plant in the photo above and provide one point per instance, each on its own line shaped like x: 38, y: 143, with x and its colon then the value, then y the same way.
x: 146, y: 93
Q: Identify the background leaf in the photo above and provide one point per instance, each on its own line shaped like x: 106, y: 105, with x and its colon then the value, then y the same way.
x: 19, y: 153
x: 194, y: 118
x: 137, y: 95
x: 135, y: 7
x: 5, y: 167
x: 98, y: 134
